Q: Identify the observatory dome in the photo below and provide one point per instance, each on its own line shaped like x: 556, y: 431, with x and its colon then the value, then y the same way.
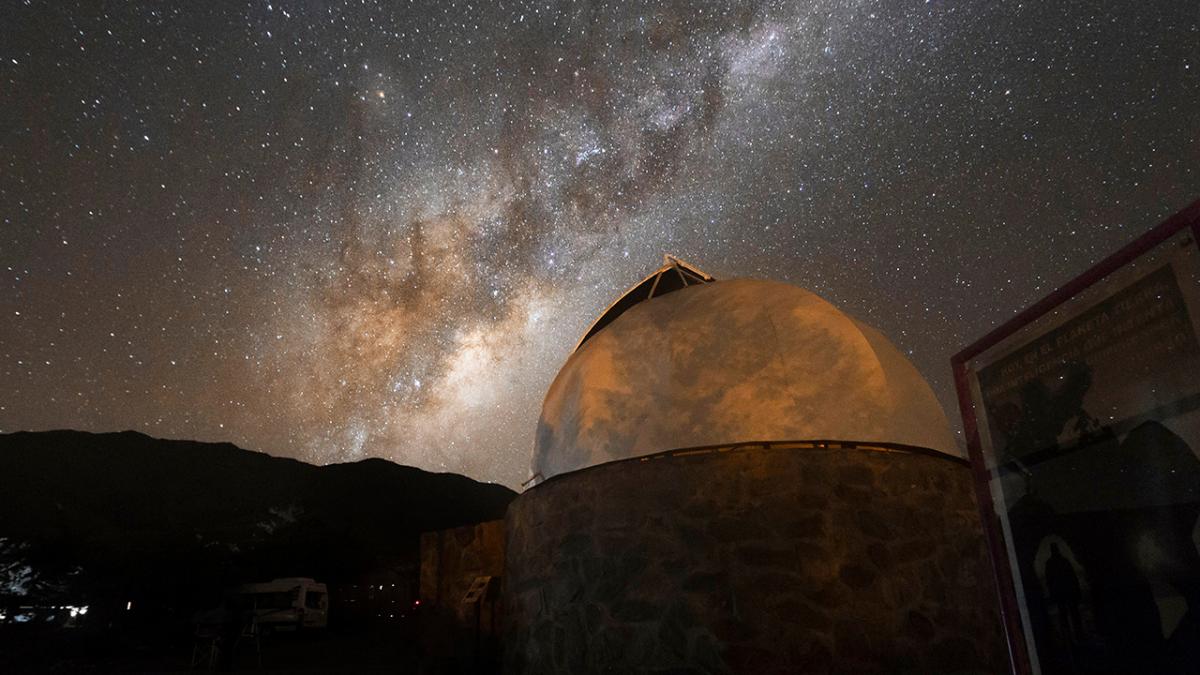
x: 706, y: 363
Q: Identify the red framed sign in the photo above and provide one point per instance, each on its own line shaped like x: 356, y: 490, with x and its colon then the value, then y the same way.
x: 1082, y: 421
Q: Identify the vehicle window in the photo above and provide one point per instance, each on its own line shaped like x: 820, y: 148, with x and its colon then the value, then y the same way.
x: 280, y: 600
x: 312, y: 599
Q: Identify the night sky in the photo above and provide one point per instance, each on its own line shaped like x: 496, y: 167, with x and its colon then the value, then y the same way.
x: 339, y: 230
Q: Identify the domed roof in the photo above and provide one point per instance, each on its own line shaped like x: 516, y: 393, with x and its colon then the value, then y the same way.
x: 724, y: 362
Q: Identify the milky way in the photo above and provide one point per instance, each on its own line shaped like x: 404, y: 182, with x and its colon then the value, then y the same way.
x: 340, y: 230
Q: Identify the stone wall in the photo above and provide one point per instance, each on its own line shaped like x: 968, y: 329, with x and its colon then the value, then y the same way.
x: 451, y: 559
x: 457, y: 637
x: 753, y: 561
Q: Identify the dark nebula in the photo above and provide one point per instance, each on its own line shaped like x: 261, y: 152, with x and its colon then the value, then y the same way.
x: 339, y: 230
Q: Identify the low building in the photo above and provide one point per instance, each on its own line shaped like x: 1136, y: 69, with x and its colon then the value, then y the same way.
x: 735, y: 476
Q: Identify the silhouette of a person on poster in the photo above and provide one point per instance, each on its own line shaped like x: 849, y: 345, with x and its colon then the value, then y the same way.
x: 1063, y: 585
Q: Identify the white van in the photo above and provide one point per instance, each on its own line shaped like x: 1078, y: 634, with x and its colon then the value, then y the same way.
x: 285, y: 604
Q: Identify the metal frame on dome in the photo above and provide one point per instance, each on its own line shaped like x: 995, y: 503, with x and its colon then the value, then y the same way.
x: 749, y: 446
x: 657, y: 283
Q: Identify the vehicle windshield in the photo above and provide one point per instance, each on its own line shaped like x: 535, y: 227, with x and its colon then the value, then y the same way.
x: 272, y: 600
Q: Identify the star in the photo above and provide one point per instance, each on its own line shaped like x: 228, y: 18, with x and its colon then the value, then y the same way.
x: 379, y: 230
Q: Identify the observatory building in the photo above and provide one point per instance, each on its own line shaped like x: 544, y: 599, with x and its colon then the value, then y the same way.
x: 735, y: 476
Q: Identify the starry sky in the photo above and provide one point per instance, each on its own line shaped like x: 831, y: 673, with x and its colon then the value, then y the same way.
x: 336, y: 230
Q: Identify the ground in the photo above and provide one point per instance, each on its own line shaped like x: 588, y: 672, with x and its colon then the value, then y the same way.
x: 382, y: 649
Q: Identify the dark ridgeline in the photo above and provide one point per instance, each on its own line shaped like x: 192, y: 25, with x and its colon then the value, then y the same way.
x: 105, y: 519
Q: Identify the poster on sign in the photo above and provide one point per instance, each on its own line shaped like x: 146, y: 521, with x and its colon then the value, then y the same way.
x: 1082, y: 418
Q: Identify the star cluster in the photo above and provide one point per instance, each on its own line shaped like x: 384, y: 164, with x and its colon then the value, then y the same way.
x: 336, y: 230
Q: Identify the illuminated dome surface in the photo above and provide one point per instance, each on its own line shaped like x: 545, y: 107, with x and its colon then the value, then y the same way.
x: 725, y: 362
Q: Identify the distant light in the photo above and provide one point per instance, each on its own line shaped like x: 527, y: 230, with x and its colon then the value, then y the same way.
x: 128, y: 605
x: 416, y: 603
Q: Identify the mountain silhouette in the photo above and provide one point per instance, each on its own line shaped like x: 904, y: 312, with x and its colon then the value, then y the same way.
x: 103, y: 518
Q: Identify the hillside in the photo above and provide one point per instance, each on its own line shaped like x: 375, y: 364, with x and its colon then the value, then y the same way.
x: 124, y: 514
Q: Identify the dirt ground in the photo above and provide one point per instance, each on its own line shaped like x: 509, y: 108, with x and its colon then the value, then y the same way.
x: 380, y: 649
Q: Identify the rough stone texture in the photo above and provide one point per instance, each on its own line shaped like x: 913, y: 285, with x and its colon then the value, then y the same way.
x: 753, y: 561
x: 451, y: 559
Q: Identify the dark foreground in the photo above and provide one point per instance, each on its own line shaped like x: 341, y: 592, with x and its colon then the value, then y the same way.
x: 378, y: 650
